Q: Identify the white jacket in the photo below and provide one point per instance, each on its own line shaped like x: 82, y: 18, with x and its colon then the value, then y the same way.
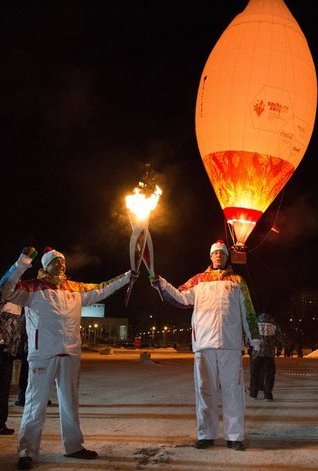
x: 219, y: 312
x: 53, y: 316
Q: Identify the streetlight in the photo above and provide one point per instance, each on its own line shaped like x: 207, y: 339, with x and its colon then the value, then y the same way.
x: 153, y: 328
x: 164, y: 336
x: 95, y: 332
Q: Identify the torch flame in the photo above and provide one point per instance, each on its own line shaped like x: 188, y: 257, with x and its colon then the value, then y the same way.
x: 140, y: 205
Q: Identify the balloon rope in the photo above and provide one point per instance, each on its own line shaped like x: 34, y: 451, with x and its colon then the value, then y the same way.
x: 252, y: 290
x: 275, y: 219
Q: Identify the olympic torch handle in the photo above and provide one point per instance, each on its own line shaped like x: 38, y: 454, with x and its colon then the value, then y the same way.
x: 160, y: 293
x: 136, y: 251
x: 128, y: 291
x: 148, y: 259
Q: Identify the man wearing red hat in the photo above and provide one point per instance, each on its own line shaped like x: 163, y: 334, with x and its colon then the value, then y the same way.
x: 53, y: 322
x: 223, y: 315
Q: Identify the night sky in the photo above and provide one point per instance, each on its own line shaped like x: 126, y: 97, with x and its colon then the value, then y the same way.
x: 90, y: 92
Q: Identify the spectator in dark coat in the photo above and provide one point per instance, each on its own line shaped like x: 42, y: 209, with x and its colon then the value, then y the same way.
x: 9, y: 347
x: 263, y: 368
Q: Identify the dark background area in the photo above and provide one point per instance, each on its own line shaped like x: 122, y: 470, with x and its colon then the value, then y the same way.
x: 90, y: 92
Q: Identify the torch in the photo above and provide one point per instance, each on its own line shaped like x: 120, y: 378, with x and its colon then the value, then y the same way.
x: 140, y: 206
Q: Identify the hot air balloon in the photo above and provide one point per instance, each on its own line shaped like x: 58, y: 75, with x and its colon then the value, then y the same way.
x: 255, y: 111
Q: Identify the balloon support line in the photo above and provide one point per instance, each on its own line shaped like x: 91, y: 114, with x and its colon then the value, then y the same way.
x: 275, y: 219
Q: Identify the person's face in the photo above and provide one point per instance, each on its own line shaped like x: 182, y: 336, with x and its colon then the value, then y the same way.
x: 218, y: 259
x: 57, y: 266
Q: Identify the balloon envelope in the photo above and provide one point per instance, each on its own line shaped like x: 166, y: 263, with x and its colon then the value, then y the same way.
x: 255, y: 111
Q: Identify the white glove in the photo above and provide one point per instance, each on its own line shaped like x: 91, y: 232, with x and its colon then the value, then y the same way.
x: 256, y: 344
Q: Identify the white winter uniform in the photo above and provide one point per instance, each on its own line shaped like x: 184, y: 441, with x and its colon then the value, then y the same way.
x: 218, y: 323
x: 53, y: 326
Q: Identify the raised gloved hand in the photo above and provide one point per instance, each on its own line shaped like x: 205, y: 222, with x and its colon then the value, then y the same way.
x: 27, y: 255
x: 154, y: 281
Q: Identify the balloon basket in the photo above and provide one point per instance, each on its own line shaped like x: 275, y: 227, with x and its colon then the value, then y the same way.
x: 238, y: 255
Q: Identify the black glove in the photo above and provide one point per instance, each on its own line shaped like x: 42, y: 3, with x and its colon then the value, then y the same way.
x: 134, y: 275
x: 28, y: 254
x: 154, y: 281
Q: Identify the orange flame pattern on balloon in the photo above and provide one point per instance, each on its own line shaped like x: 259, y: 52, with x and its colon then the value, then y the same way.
x: 246, y: 180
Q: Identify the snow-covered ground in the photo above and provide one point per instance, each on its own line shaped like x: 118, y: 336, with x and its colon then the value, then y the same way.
x: 138, y: 413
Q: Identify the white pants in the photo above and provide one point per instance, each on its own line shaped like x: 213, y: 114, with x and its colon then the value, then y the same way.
x: 219, y: 371
x: 64, y: 370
